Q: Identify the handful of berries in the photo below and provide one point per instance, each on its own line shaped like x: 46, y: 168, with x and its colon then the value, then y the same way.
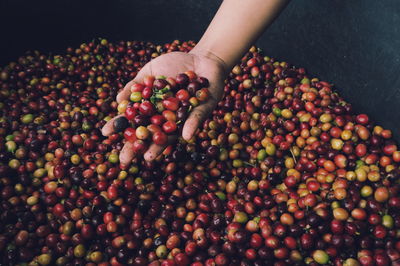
x: 159, y: 107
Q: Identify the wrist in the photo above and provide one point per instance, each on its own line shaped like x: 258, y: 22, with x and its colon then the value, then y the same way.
x: 203, y: 52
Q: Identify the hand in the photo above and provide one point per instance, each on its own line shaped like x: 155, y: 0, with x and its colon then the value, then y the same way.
x: 203, y: 64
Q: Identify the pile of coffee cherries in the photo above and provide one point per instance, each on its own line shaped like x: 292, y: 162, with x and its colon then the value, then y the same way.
x: 283, y: 172
x: 158, y: 108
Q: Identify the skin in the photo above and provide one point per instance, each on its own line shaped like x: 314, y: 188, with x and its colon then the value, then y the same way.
x: 236, y: 25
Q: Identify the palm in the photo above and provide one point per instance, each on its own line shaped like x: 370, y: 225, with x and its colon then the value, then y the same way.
x: 170, y: 65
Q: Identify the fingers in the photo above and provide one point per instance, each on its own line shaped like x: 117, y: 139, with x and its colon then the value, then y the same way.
x: 124, y: 95
x: 108, y: 128
x: 196, y: 117
x: 155, y: 150
x: 126, y: 91
x: 126, y: 155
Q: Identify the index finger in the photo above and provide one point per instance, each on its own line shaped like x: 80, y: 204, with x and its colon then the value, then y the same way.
x: 196, y: 117
x: 126, y: 91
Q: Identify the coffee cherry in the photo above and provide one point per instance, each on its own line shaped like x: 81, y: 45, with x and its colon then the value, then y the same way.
x: 120, y: 124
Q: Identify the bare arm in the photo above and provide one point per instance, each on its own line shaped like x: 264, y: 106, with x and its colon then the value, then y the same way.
x: 236, y: 25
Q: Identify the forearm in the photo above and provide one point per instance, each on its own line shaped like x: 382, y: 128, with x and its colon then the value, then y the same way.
x: 237, y: 24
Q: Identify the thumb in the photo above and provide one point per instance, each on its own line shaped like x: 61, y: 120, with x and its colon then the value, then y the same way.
x: 196, y: 117
x: 126, y: 91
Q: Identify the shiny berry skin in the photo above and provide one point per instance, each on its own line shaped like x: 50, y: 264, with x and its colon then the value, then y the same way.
x: 169, y: 127
x: 157, y: 120
x: 139, y: 146
x: 203, y: 94
x: 171, y: 103
x: 160, y: 138
x: 130, y: 113
x: 120, y: 124
x: 182, y: 95
x: 130, y: 134
x: 147, y: 92
x: 147, y: 108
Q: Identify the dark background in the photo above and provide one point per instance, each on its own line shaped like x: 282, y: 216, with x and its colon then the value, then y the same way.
x: 353, y: 44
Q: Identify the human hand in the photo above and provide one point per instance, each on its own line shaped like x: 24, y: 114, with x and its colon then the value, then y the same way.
x: 203, y: 64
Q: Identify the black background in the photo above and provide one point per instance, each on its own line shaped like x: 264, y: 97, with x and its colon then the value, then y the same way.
x: 353, y: 44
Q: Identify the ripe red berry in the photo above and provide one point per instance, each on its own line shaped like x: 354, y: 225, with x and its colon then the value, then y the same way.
x: 171, y: 103
x: 147, y: 92
x: 147, y: 108
x: 139, y: 146
x: 169, y: 127
x: 203, y: 94
x: 183, y: 95
x: 130, y: 134
x: 160, y: 138
x: 157, y: 120
x: 137, y: 87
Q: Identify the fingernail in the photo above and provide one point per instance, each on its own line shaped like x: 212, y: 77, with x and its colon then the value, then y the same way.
x: 148, y: 156
x: 188, y: 137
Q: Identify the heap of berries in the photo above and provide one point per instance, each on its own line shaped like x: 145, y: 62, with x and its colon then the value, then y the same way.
x: 283, y: 172
x: 158, y: 107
